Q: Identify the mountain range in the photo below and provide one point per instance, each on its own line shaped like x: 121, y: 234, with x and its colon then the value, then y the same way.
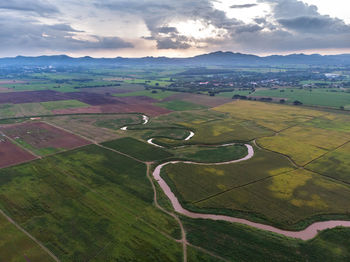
x: 211, y: 59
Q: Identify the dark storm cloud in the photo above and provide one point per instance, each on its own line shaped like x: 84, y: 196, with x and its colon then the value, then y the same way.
x: 320, y: 24
x: 243, y: 6
x: 290, y: 26
x: 167, y: 30
x: 36, y: 6
x: 20, y: 35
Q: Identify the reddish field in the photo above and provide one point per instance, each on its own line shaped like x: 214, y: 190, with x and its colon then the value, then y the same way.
x: 31, y: 97
x: 137, y: 104
x: 5, y: 82
x: 92, y: 99
x: 11, y: 154
x: 40, y: 135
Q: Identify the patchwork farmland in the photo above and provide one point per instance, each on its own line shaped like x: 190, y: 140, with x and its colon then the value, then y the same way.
x: 77, y: 177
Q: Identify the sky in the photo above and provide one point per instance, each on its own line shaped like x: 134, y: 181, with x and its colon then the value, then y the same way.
x: 173, y: 28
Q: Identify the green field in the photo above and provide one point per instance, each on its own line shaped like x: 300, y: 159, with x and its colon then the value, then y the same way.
x: 228, y: 130
x: 56, y: 105
x: 117, y: 122
x: 160, y: 82
x: 178, y: 105
x: 16, y: 246
x: 159, y: 95
x: 21, y: 110
x: 236, y: 92
x: 137, y: 149
x: 316, y: 97
x: 235, y: 242
x: 210, y: 154
x: 89, y: 204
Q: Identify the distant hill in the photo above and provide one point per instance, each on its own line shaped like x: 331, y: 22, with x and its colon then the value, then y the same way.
x: 216, y: 58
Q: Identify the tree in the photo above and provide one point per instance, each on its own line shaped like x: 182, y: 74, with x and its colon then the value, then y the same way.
x: 297, y: 103
x: 282, y: 101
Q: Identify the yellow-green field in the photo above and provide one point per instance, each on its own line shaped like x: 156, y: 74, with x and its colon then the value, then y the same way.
x: 335, y: 164
x: 272, y: 116
x: 286, y: 199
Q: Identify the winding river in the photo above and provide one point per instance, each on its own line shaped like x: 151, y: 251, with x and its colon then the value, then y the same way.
x: 306, y: 234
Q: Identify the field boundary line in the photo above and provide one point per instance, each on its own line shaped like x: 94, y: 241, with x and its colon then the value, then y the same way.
x: 52, y: 255
x: 208, y: 252
x: 329, y: 151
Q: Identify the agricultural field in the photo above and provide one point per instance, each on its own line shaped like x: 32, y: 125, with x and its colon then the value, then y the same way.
x: 56, y: 105
x: 16, y: 246
x: 197, y: 182
x: 11, y: 154
x: 95, y: 207
x: 178, y: 105
x: 210, y: 154
x: 159, y: 95
x: 41, y: 138
x: 137, y: 149
x: 288, y: 200
x: 96, y: 127
x: 273, y: 116
x: 257, y: 245
x: 83, y: 187
x: 304, y: 143
x: 228, y: 130
x: 335, y: 164
x: 314, y: 97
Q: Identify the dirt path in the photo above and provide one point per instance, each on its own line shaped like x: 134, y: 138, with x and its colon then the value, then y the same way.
x: 52, y: 255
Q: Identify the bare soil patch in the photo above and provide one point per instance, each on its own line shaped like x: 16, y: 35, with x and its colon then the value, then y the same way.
x: 40, y: 135
x: 31, y: 97
x: 11, y: 154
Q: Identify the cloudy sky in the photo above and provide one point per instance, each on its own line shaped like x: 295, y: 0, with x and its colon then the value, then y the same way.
x: 175, y: 28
